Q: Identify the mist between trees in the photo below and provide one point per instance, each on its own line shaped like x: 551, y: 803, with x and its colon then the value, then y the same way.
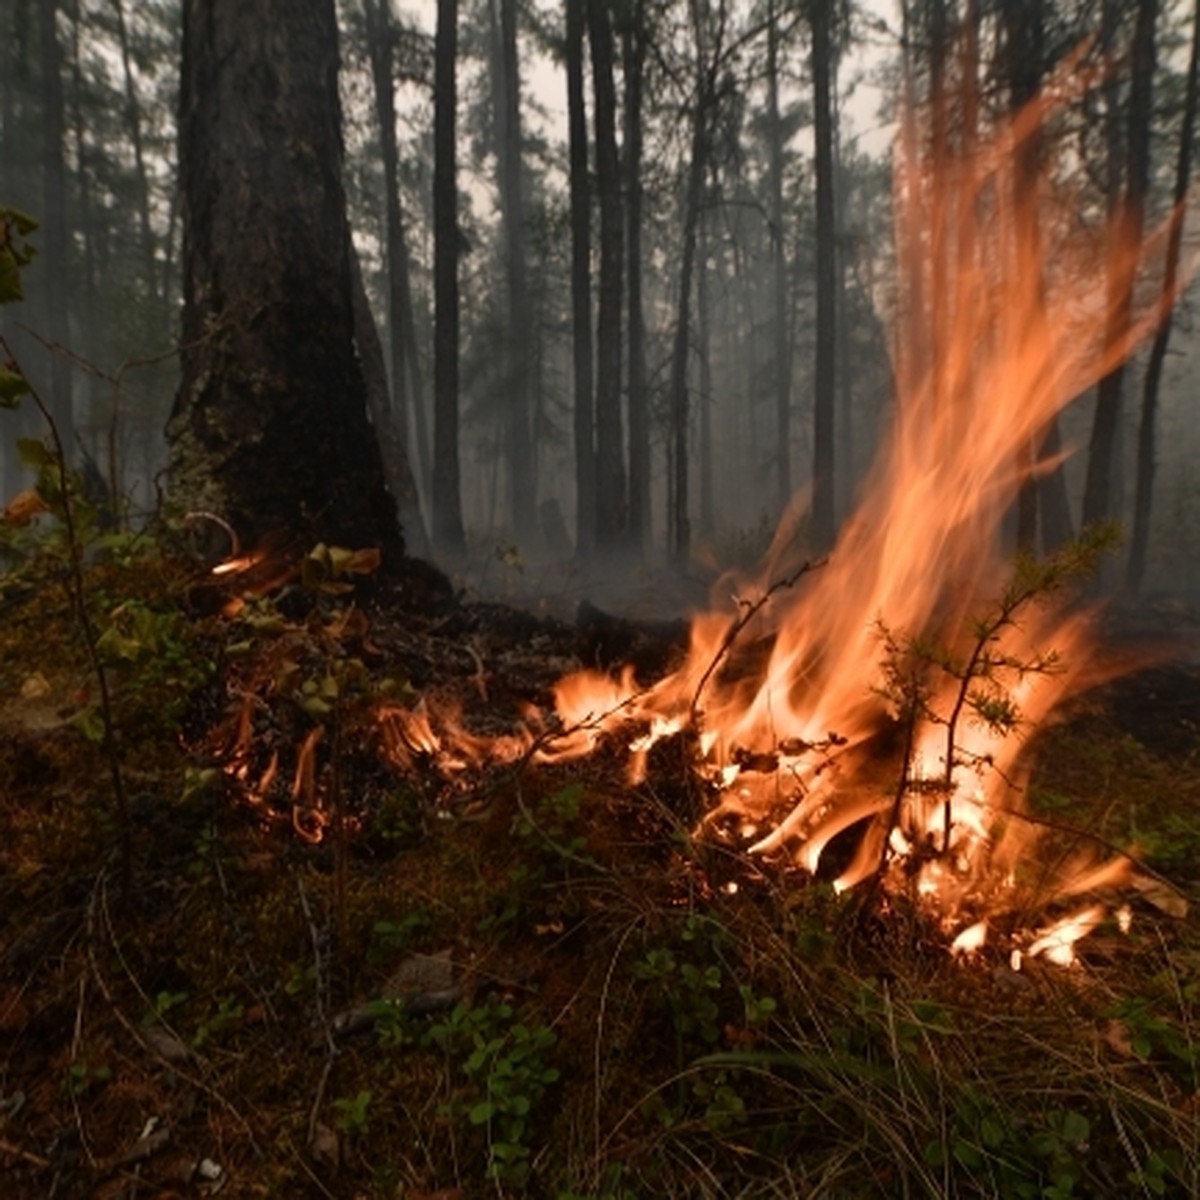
x: 638, y: 333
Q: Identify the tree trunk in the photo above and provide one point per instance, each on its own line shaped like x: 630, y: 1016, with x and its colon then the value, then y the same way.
x: 824, y: 397
x: 54, y: 217
x: 389, y: 428
x: 781, y: 342
x: 1146, y: 451
x: 581, y: 286
x: 610, y: 451
x: 408, y: 390
x: 448, y: 532
x: 1126, y: 220
x: 270, y: 426
x: 506, y: 108
x: 679, y: 531
x: 133, y: 121
x: 634, y: 54
x: 708, y: 518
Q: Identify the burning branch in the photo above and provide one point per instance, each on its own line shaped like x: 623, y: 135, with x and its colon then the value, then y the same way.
x: 749, y: 612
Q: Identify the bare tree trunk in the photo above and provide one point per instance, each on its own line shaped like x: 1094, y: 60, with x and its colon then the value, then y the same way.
x: 448, y: 532
x: 824, y: 383
x: 679, y: 530
x: 389, y: 428
x: 704, y: 353
x: 1126, y: 225
x: 54, y: 216
x: 781, y: 342
x: 133, y: 122
x: 581, y: 286
x: 522, y: 476
x: 634, y: 54
x: 1146, y: 457
x: 408, y: 392
x: 611, y: 512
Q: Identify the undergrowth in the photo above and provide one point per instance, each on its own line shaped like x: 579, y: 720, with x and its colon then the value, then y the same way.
x: 603, y: 1007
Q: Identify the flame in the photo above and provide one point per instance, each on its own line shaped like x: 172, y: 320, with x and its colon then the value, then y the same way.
x: 1001, y: 320
x: 1058, y: 942
x: 785, y: 687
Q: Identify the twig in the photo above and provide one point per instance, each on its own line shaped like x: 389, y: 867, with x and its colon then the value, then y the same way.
x: 331, y: 1049
x: 15, y: 1151
x: 749, y: 612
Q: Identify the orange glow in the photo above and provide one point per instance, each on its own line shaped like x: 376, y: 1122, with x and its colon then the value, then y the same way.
x: 785, y: 687
x: 795, y: 676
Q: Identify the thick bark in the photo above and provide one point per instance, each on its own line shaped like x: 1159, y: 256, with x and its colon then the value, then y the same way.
x: 408, y: 392
x: 522, y: 473
x: 270, y: 426
x: 634, y: 56
x: 824, y: 383
x: 1147, y: 425
x: 581, y: 286
x: 610, y: 451
x: 447, y: 498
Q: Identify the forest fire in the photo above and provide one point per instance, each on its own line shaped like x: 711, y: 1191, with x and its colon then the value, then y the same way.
x: 861, y: 715
x: 917, y: 621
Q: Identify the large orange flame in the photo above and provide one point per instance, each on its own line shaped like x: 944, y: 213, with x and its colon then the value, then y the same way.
x: 1002, y: 321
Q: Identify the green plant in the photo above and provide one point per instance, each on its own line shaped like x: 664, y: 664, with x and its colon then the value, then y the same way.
x: 55, y: 491
x: 983, y: 673
x: 83, y: 1075
x: 353, y: 1113
x: 389, y: 937
x: 229, y: 1011
x: 164, y: 1003
x: 507, y: 1069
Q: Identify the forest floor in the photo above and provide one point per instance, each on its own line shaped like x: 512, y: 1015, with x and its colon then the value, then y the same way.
x: 321, y: 956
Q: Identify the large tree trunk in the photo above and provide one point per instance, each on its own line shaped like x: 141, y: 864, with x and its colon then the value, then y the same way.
x: 634, y: 56
x: 1146, y: 452
x: 408, y: 393
x: 824, y: 398
x: 610, y: 450
x: 270, y: 425
x: 581, y: 286
x: 448, y: 532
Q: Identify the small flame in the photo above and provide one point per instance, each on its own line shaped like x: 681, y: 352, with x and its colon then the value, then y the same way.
x: 1058, y: 942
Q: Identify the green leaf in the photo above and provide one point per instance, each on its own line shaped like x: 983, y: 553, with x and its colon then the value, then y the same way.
x: 34, y: 453
x: 1075, y: 1127
x: 13, y: 385
x: 481, y: 1113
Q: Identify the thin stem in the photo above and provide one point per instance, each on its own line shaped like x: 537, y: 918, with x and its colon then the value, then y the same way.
x: 78, y: 593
